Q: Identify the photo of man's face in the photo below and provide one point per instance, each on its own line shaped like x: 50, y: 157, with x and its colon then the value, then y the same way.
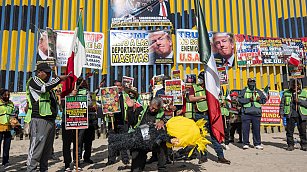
x: 224, y: 45
x: 161, y: 44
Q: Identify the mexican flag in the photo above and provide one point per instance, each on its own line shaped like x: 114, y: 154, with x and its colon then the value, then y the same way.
x: 212, y: 80
x: 76, y: 60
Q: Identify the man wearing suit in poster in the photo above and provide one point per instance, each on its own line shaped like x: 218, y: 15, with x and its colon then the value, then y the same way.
x: 160, y: 47
x: 157, y: 9
x: 223, y: 44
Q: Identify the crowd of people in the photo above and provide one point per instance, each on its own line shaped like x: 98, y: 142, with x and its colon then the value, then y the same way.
x: 241, y: 108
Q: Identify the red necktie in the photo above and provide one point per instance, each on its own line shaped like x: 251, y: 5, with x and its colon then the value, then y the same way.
x: 163, y: 10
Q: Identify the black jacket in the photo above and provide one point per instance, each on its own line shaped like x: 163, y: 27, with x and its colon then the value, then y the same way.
x: 251, y: 110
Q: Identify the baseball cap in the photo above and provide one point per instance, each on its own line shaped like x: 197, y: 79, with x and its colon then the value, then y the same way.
x: 43, y: 67
x: 234, y: 94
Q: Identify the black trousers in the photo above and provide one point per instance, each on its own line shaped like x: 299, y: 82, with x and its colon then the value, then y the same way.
x: 88, y: 137
x: 68, y: 137
x: 301, y: 126
x: 236, y: 127
x: 139, y: 157
x: 6, y: 137
x: 226, y: 128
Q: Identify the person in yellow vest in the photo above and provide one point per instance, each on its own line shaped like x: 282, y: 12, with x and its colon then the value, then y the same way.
x: 6, y: 110
x: 251, y: 99
x: 293, y: 105
x: 225, y: 114
x: 43, y: 110
x: 197, y: 96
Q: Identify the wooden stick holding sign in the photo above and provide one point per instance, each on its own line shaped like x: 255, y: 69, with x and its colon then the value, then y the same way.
x: 77, y: 141
x: 111, y: 115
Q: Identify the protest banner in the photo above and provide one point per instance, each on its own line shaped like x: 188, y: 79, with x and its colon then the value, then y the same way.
x: 127, y: 81
x: 94, y: 44
x: 248, y: 50
x: 129, y: 48
x: 168, y: 101
x: 270, y: 110
x: 222, y: 48
x: 187, y: 46
x: 76, y: 112
x: 175, y: 74
x: 161, y: 47
x: 140, y: 13
x: 174, y: 88
x: 271, y: 51
x: 110, y: 100
x: 223, y: 75
x: 189, y: 81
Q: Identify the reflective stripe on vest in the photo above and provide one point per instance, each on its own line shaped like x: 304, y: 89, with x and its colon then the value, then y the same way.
x: 44, y: 104
x: 189, y: 110
x: 5, y: 111
x: 201, y: 105
x: 303, y: 96
x: 248, y: 94
x: 288, y: 98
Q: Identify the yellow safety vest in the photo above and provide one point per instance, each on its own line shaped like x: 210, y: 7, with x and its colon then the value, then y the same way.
x: 288, y: 99
x: 224, y: 110
x: 248, y: 94
x: 5, y: 111
x: 44, y: 103
x: 199, y: 91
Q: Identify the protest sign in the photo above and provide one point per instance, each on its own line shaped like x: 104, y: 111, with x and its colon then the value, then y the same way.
x: 176, y: 74
x: 76, y: 112
x: 296, y: 71
x: 223, y: 75
x: 128, y: 81
x: 110, y: 100
x: 248, y: 50
x: 129, y: 48
x: 94, y: 44
x: 187, y: 46
x: 174, y: 88
x: 19, y: 100
x: 168, y: 101
x: 161, y: 47
x: 158, y: 81
x: 145, y: 98
x: 293, y: 47
x: 140, y: 13
x: 46, y: 50
x: 271, y: 51
x: 222, y: 47
x: 270, y: 110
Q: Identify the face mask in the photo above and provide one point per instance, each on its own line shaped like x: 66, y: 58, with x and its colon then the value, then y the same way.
x: 200, y: 81
x: 131, y: 96
x: 251, y: 86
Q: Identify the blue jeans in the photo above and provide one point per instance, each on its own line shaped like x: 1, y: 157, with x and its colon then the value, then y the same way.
x: 216, y: 145
x: 255, y: 120
x: 6, y: 137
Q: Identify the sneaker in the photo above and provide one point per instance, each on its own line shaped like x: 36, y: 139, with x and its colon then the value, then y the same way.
x: 223, y: 161
x: 259, y: 147
x: 304, y: 148
x: 290, y: 148
x: 151, y: 160
x: 246, y: 147
x: 227, y: 147
x: 79, y: 168
x: 68, y: 170
x: 126, y: 161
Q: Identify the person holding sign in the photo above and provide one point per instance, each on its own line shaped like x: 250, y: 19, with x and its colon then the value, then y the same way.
x: 43, y: 109
x: 251, y: 99
x: 197, y: 96
x: 293, y: 105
